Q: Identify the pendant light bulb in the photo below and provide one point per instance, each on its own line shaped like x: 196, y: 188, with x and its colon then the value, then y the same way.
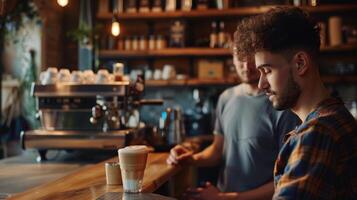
x: 115, y: 28
x: 62, y: 3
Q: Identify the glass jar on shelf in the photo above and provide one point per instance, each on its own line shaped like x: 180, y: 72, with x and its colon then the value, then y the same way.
x: 143, y: 43
x: 160, y: 42
x: 127, y: 44
x: 152, y: 43
x: 135, y: 43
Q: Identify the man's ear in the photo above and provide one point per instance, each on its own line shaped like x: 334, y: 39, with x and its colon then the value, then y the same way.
x: 301, y: 62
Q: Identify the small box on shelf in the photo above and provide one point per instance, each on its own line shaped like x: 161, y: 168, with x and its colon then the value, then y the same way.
x: 210, y: 69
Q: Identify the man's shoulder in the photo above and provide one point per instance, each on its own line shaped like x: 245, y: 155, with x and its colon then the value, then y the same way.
x: 334, y: 125
x: 227, y: 94
x: 234, y: 90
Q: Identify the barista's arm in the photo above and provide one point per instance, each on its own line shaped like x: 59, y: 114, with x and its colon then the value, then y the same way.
x: 212, y: 155
x: 265, y: 191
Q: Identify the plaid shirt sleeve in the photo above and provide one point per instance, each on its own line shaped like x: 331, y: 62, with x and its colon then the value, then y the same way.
x: 306, y: 166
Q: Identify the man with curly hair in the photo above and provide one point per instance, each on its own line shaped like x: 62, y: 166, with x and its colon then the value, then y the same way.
x: 319, y: 157
x: 248, y: 135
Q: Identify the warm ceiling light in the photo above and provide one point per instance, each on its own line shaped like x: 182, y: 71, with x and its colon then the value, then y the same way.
x: 62, y: 3
x: 115, y: 28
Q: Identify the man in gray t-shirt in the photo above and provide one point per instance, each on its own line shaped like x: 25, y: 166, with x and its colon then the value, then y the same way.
x: 247, y: 136
x: 252, y: 132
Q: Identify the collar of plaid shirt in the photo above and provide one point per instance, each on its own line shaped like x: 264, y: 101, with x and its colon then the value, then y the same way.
x: 314, y: 114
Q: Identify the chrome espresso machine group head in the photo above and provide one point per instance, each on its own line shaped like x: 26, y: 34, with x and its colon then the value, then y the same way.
x: 87, y: 116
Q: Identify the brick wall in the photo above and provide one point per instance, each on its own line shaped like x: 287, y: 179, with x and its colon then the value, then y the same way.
x: 57, y: 49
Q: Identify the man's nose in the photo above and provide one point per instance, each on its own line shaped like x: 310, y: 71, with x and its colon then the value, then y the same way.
x: 263, y: 83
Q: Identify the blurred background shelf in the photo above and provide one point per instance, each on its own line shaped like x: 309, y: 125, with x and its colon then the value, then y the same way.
x: 168, y: 52
x: 244, y: 11
x: 190, y: 82
x: 330, y: 79
x: 173, y: 52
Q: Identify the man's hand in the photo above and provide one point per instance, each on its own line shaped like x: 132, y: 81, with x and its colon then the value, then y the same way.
x: 180, y: 154
x: 207, y: 192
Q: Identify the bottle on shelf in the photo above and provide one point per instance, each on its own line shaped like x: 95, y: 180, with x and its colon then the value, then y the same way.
x: 103, y: 6
x: 213, y: 36
x: 186, y: 5
x: 177, y: 34
x: 160, y: 42
x: 144, y: 6
x: 120, y: 43
x: 202, y: 4
x: 116, y: 6
x: 170, y: 5
x: 221, y: 35
x: 135, y: 43
x: 143, y: 43
x: 156, y: 6
x: 131, y: 8
x: 127, y: 43
x: 152, y: 43
x: 222, y: 4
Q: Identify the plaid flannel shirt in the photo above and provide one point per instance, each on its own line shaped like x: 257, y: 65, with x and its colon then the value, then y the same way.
x: 319, y: 157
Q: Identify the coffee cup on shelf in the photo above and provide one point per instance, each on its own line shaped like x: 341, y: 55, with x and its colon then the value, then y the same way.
x: 64, y: 75
x: 102, y: 76
x: 88, y: 76
x: 76, y: 76
x: 50, y: 76
x: 168, y: 72
x: 157, y: 74
x: 148, y: 74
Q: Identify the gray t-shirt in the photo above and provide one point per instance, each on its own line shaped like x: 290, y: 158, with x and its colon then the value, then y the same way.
x: 253, y: 133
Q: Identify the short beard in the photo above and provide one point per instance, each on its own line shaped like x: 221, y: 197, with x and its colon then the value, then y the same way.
x: 289, y: 96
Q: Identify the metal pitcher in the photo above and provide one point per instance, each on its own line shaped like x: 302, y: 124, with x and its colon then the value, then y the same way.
x: 174, y: 126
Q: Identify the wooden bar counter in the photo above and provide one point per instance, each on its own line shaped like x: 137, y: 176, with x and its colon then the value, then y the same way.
x: 90, y: 182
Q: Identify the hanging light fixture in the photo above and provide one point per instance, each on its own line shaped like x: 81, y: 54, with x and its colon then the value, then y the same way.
x: 62, y: 3
x: 115, y: 27
x: 115, y: 22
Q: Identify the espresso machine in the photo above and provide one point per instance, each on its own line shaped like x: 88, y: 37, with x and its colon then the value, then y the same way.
x: 87, y: 116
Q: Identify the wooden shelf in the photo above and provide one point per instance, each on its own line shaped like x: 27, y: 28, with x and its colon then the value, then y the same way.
x: 339, y: 79
x: 168, y: 52
x: 189, y: 82
x: 340, y: 48
x: 242, y: 11
x: 331, y: 79
x: 173, y: 52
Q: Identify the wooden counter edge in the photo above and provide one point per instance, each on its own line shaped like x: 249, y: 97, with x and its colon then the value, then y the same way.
x: 42, y: 191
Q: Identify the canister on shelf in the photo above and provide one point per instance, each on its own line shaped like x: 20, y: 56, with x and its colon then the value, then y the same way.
x: 118, y: 71
x: 156, y: 6
x: 131, y: 6
x: 170, y: 5
x: 160, y: 42
x: 152, y: 42
x: 335, y: 30
x: 143, y: 43
x: 127, y: 44
x: 186, y: 5
x: 135, y: 43
x: 144, y: 6
x: 120, y: 43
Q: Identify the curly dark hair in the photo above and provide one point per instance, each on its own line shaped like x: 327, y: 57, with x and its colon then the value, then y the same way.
x: 279, y: 30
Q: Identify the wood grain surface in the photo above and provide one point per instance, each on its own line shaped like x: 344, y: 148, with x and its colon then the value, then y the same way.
x: 90, y: 183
